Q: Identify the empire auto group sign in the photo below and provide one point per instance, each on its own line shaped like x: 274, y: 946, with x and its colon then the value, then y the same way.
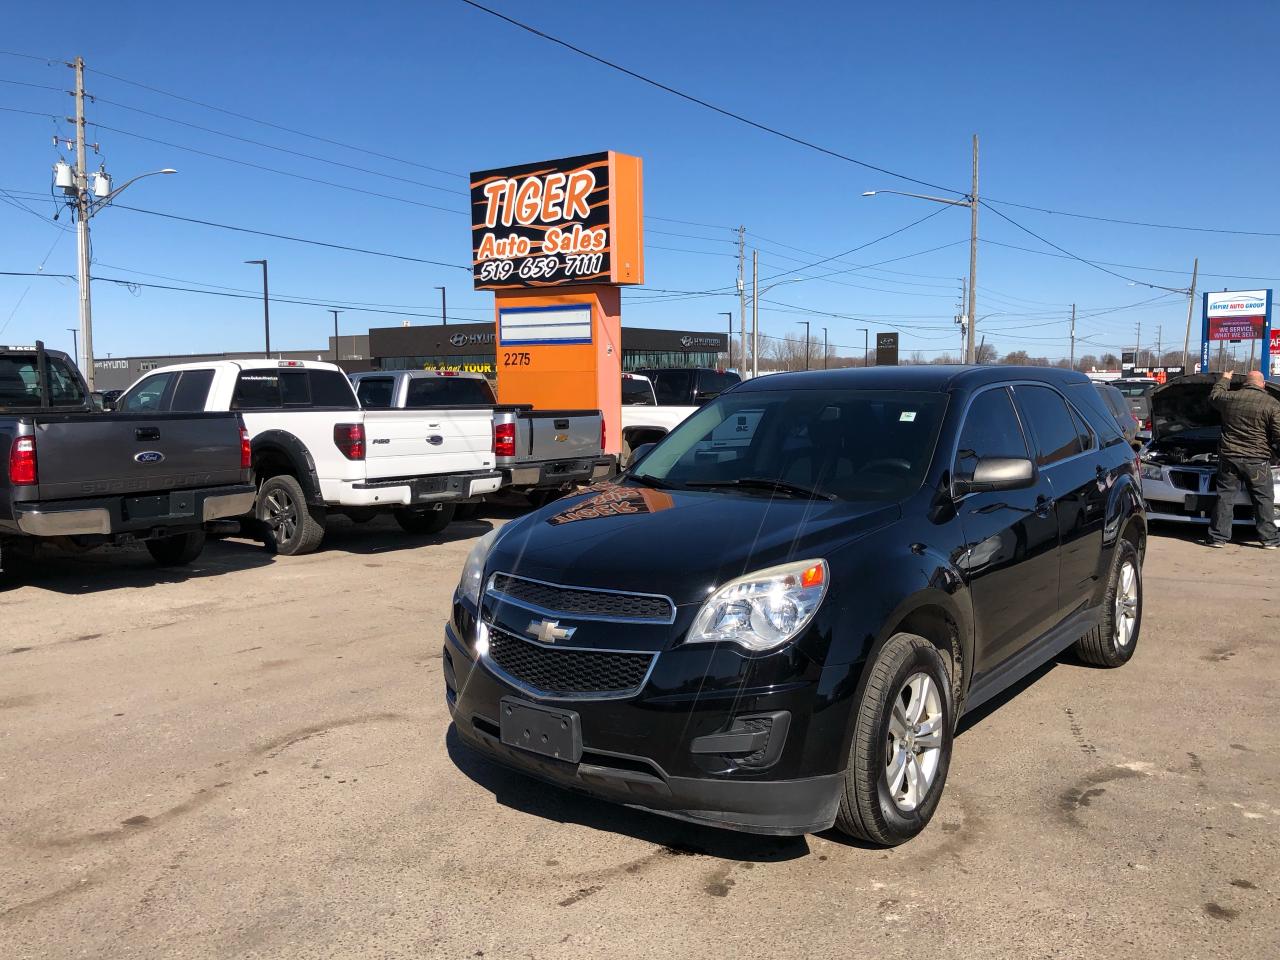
x: 577, y: 220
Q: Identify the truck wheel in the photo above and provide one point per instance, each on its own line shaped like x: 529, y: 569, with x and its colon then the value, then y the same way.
x: 1111, y: 644
x: 418, y: 520
x: 176, y: 551
x: 293, y: 526
x: 901, y: 744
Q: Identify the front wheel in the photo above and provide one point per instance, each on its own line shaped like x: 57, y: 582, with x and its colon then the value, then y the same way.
x: 418, y: 520
x: 176, y: 551
x: 293, y: 526
x: 1111, y: 643
x: 901, y: 744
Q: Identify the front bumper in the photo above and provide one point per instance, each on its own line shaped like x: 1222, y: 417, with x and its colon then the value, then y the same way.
x: 652, y: 750
x: 1177, y: 504
x: 135, y: 517
x: 557, y: 474
x: 410, y: 491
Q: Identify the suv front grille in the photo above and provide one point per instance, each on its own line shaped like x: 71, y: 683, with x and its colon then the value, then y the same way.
x: 1185, y: 480
x: 573, y: 671
x: 581, y: 602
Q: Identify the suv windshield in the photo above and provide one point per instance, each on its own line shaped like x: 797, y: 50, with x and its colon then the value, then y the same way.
x: 842, y: 444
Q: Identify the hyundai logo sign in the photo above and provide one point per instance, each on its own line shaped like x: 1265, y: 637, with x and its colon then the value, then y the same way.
x: 466, y: 339
x: 688, y: 342
x: 149, y: 456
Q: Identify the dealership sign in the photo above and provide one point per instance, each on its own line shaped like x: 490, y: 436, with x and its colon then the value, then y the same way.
x: 1236, y: 315
x: 557, y: 223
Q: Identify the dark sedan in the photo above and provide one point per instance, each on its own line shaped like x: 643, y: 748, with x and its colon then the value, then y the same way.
x: 774, y: 620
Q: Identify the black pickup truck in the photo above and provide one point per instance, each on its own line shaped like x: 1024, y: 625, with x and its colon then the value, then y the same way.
x: 79, y: 478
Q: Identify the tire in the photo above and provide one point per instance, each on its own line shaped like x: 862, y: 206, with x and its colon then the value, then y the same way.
x: 176, y: 551
x: 467, y: 511
x: 419, y: 521
x: 883, y: 805
x: 293, y: 527
x: 1112, y: 643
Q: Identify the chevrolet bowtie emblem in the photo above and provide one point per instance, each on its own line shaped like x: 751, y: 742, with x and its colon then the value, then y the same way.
x: 549, y: 631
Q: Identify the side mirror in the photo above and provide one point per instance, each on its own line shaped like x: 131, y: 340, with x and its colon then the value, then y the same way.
x: 997, y: 473
x: 108, y: 404
x: 639, y: 453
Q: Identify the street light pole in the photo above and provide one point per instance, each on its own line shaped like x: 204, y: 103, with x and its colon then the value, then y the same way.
x: 444, y: 313
x: 336, y: 355
x: 806, y: 342
x: 866, y: 347
x: 266, y: 308
x: 729, y: 314
x: 75, y: 348
x: 825, y: 351
x: 971, y: 201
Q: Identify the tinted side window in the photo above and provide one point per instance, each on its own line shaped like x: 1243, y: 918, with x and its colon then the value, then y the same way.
x: 711, y: 383
x: 1051, y: 422
x: 1109, y: 429
x: 192, y: 391
x: 329, y: 388
x: 148, y: 396
x: 375, y: 392
x: 637, y: 393
x: 673, y: 387
x: 1083, y: 434
x: 257, y: 390
x: 991, y: 429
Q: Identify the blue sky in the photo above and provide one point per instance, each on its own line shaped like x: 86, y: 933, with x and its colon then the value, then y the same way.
x: 1097, y: 108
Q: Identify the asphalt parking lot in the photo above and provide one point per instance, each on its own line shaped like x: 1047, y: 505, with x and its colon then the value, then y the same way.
x: 252, y: 758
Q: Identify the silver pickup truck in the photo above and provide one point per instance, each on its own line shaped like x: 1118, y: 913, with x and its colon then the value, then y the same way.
x: 540, y: 452
x: 79, y: 478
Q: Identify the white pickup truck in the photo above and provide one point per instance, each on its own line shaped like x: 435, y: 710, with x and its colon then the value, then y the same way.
x: 541, y: 453
x: 314, y: 450
x: 655, y: 401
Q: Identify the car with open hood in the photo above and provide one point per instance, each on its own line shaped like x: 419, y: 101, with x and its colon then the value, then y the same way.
x: 1180, y: 462
x: 774, y: 619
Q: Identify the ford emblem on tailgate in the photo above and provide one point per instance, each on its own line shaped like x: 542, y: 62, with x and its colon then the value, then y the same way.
x: 149, y: 456
x: 435, y: 439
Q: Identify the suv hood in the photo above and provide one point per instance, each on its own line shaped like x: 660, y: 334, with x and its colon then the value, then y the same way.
x: 1182, y: 405
x: 680, y: 543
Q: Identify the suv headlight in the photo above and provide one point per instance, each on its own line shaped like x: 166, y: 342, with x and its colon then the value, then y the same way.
x: 765, y: 609
x: 1152, y: 471
x: 473, y: 570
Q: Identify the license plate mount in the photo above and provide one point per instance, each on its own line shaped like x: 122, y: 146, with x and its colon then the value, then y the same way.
x: 543, y: 730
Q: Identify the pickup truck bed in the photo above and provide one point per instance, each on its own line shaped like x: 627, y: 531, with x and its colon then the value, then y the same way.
x: 87, y: 478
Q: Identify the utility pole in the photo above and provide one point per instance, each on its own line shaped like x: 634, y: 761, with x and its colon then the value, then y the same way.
x: 866, y: 347
x: 444, y: 313
x: 266, y: 308
x: 729, y: 314
x: 806, y: 342
x: 336, y: 355
x: 1073, y: 336
x: 75, y: 349
x: 755, y: 313
x: 825, y: 353
x: 82, y: 231
x: 1159, y: 345
x: 1191, y: 303
x: 962, y: 319
x: 973, y: 258
x: 742, y: 297
x: 1137, y: 348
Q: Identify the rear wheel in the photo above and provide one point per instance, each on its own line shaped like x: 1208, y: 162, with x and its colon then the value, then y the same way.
x: 176, y: 551
x: 293, y: 526
x: 901, y: 744
x: 1111, y: 644
x: 420, y: 520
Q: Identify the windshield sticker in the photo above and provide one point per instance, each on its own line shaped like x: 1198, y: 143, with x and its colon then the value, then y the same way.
x: 615, y: 501
x: 907, y: 416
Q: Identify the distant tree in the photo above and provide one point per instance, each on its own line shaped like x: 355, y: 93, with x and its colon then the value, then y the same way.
x: 1062, y: 363
x: 944, y: 358
x: 1087, y: 362
x: 1109, y: 361
x: 1017, y: 358
x: 986, y: 353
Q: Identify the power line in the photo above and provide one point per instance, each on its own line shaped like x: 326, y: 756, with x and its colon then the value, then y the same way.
x: 703, y: 103
x: 282, y: 236
x: 1134, y: 223
x: 284, y: 173
x: 1133, y: 266
x: 268, y: 123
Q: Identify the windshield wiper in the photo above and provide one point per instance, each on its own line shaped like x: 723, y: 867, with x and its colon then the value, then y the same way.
x: 766, y: 483
x: 655, y: 482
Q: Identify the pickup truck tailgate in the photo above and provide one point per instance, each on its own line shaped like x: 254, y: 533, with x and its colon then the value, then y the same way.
x: 414, y: 443
x: 85, y: 455
x: 543, y: 435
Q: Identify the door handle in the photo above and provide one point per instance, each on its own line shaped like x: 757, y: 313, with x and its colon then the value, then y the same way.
x: 146, y: 434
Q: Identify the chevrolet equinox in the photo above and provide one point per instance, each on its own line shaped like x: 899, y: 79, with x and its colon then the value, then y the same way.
x: 774, y: 619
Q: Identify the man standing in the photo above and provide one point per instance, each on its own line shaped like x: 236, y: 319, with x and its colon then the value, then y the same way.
x: 1250, y: 428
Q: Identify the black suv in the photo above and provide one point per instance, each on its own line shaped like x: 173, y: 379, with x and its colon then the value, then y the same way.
x: 773, y: 621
